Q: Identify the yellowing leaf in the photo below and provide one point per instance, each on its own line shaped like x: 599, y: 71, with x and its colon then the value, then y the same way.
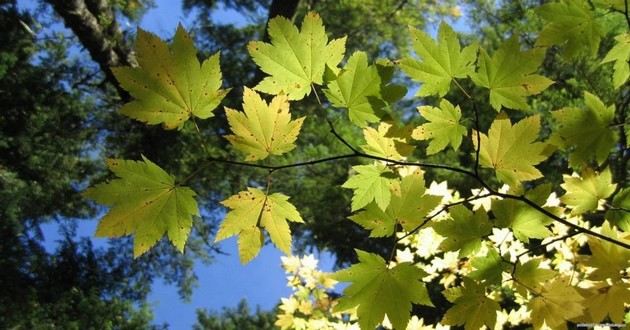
x: 557, y: 303
x: 509, y: 75
x: 570, y: 23
x: 608, y: 259
x: 371, y: 183
x: 620, y: 54
x: 378, y: 290
x: 358, y: 89
x: 530, y: 276
x: 608, y: 300
x: 252, y: 210
x: 145, y: 202
x: 586, y: 133
x: 511, y: 150
x: 585, y: 192
x: 443, y: 127
x: 295, y: 59
x: 472, y: 308
x: 170, y: 85
x: 263, y: 129
x: 381, y: 143
x: 463, y: 230
x: 250, y: 241
x: 440, y: 62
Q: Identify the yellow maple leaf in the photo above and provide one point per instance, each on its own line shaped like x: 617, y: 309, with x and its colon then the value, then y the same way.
x: 263, y: 129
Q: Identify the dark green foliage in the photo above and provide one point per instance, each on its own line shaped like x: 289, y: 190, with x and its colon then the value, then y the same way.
x: 238, y: 318
x: 76, y: 287
x: 44, y: 129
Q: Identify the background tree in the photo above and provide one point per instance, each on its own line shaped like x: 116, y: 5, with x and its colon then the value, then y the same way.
x: 239, y: 317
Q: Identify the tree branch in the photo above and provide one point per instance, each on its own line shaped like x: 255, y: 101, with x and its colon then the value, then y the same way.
x: 104, y: 43
x: 357, y: 154
x: 440, y: 211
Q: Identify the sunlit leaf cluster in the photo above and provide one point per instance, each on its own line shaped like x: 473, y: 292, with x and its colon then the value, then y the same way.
x: 515, y: 250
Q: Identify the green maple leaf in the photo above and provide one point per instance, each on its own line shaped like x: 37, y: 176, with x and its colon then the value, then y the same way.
x: 263, y: 129
x: 530, y: 276
x: 608, y: 300
x: 585, y: 192
x: 371, y: 183
x: 378, y: 290
x: 511, y: 150
x: 358, y: 88
x: 295, y: 59
x: 556, y: 303
x: 440, y: 62
x: 408, y: 208
x: 377, y: 221
x: 509, y: 75
x: 489, y: 268
x: 463, y: 230
x: 252, y: 210
x: 443, y: 127
x: 608, y: 259
x: 472, y: 308
x: 412, y: 205
x: 525, y: 221
x: 381, y: 142
x: 570, y: 23
x: 170, y: 85
x: 617, y: 215
x: 620, y: 54
x: 586, y: 132
x: 146, y: 202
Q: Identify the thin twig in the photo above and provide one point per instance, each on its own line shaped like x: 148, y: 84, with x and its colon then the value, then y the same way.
x: 478, y: 137
x: 443, y: 209
x: 625, y: 12
x: 340, y: 138
x: 537, y: 247
x: 462, y: 89
x: 272, y: 168
x: 611, y: 207
x: 358, y: 154
x: 561, y: 220
x: 392, y: 253
x: 316, y: 95
x: 262, y: 209
x: 201, y: 139
x: 614, y: 125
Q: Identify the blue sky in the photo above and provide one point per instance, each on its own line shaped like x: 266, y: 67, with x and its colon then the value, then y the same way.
x: 224, y: 282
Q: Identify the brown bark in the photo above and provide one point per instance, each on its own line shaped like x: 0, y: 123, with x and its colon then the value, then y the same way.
x: 94, y: 23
